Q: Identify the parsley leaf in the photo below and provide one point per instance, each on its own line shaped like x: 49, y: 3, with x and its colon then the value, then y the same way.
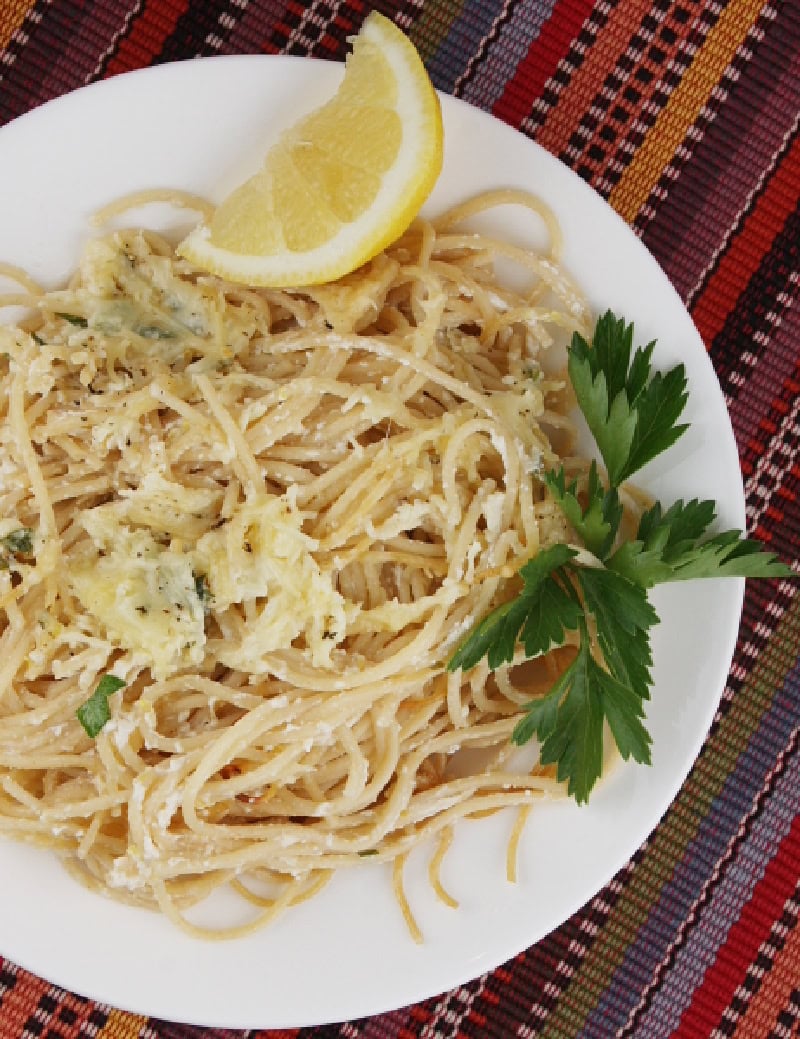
x: 544, y: 607
x: 569, y: 719
x: 673, y: 546
x: 569, y: 724
x: 94, y: 714
x: 623, y: 616
x: 596, y: 524
x: 632, y: 414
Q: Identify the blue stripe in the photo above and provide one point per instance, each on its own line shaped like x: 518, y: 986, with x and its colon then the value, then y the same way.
x: 513, y: 42
x: 462, y: 40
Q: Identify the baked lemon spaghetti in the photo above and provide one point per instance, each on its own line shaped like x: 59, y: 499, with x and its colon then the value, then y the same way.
x: 242, y: 532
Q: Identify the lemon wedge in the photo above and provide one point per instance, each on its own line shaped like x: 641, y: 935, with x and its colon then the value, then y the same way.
x: 339, y: 185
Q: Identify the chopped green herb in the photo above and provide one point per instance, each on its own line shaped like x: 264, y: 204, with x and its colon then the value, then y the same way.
x: 18, y: 542
x: 203, y: 591
x: 632, y: 414
x: 94, y: 714
x: 74, y: 319
x: 369, y: 851
x: 154, y: 332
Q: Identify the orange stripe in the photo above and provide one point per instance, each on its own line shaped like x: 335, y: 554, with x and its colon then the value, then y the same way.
x: 683, y: 107
x: 121, y: 1025
x: 12, y: 15
x: 775, y: 991
x: 587, y: 80
x: 748, y: 248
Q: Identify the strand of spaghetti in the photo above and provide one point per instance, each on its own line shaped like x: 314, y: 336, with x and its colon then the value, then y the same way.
x: 512, y: 851
x: 88, y: 839
x: 19, y: 299
x: 400, y: 895
x: 13, y: 789
x: 307, y: 889
x: 180, y: 199
x: 550, y: 274
x: 241, y: 452
x: 19, y: 430
x: 83, y: 809
x: 21, y: 277
x: 505, y: 197
x: 435, y: 867
x: 290, y: 343
x: 15, y: 646
x: 317, y: 881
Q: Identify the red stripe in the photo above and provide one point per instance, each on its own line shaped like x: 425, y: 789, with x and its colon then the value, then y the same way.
x: 541, y: 61
x: 721, y: 980
x: 420, y: 1014
x: 147, y: 36
x: 747, y: 249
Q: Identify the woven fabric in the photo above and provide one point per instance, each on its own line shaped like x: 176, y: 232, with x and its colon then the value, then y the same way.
x: 683, y: 114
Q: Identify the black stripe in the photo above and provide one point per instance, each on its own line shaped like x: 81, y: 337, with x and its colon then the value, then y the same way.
x: 308, y: 43
x: 612, y: 92
x: 8, y: 979
x: 188, y: 38
x: 44, y: 29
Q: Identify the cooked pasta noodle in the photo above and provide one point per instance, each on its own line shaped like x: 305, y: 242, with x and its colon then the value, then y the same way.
x: 272, y: 515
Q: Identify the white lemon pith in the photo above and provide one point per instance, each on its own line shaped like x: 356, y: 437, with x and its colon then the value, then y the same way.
x: 342, y: 183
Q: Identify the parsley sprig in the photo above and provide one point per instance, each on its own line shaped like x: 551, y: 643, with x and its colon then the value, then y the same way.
x: 632, y: 413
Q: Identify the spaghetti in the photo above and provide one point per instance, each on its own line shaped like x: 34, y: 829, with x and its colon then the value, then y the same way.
x: 271, y: 516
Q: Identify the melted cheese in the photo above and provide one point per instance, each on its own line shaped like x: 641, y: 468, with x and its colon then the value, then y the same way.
x: 143, y: 593
x: 134, y: 291
x: 262, y: 558
x: 163, y: 506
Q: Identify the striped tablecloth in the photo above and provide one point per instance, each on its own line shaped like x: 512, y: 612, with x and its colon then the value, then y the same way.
x: 683, y: 114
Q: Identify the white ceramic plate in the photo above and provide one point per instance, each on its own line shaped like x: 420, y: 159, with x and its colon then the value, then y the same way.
x: 203, y: 126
